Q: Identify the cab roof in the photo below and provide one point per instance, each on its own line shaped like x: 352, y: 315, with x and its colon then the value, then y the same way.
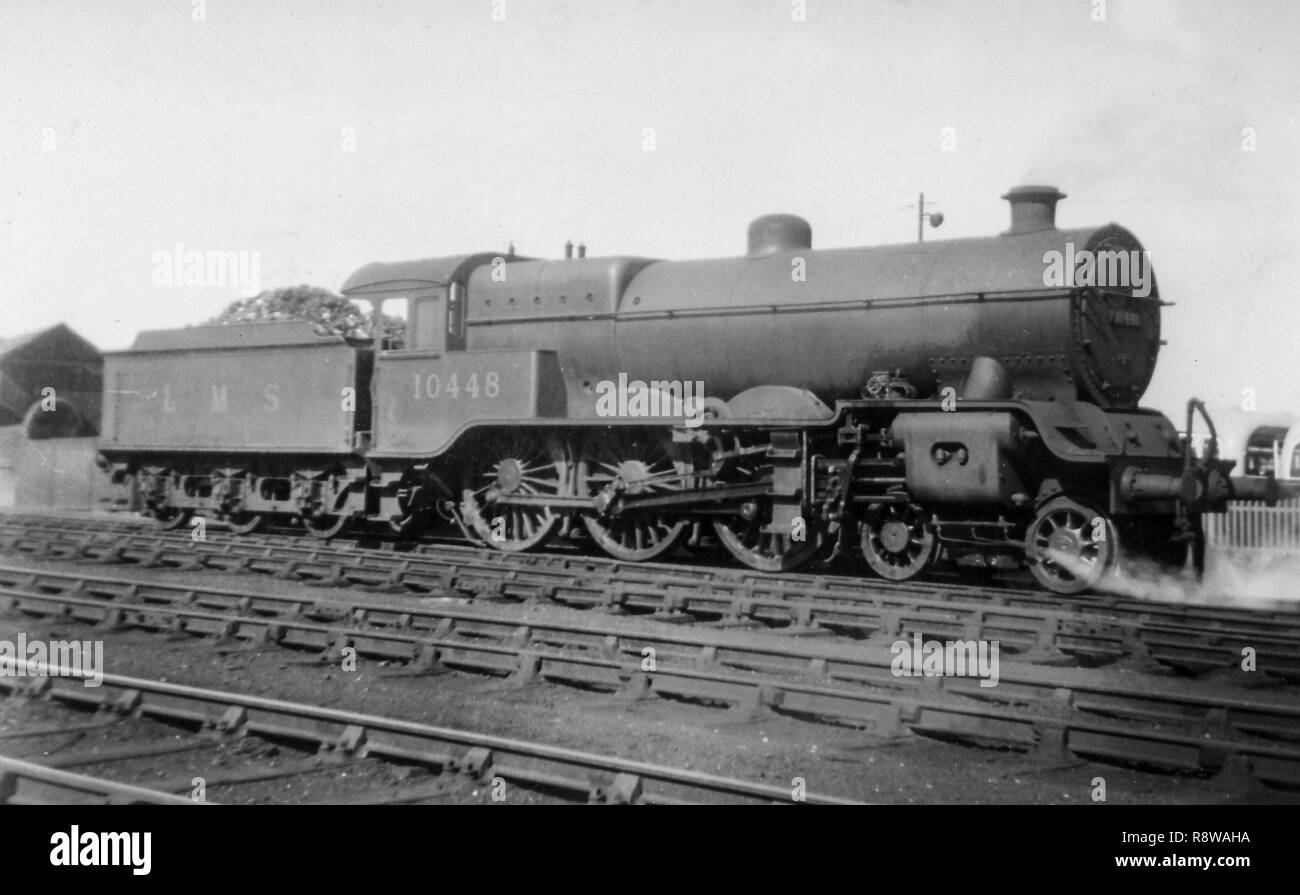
x: 398, y: 276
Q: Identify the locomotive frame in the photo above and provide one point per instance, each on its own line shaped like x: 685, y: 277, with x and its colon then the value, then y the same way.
x: 1026, y: 448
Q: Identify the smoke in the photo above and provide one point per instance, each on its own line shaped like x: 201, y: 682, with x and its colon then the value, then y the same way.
x: 1253, y: 579
x: 1236, y: 578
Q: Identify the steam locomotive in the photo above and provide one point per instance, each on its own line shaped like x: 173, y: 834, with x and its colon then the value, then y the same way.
x: 958, y: 399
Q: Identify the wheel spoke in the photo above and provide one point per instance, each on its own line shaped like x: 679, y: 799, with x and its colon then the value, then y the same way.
x: 623, y: 466
x: 897, y: 542
x: 1063, y: 552
x: 513, y: 467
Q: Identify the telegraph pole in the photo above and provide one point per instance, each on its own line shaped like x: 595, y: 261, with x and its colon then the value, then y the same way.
x: 936, y: 218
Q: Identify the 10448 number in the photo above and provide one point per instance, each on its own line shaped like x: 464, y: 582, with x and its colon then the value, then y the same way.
x: 472, y: 386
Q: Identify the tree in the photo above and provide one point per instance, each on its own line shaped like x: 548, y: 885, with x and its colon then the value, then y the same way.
x: 332, y: 313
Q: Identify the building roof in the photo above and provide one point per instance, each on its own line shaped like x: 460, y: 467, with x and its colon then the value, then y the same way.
x: 60, y: 334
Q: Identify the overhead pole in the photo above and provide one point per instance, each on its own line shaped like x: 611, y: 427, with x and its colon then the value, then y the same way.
x: 936, y: 218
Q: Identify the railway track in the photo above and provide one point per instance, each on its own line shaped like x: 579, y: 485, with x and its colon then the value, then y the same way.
x: 337, y: 738
x: 32, y: 783
x: 1190, y: 639
x: 1055, y: 712
x: 725, y: 578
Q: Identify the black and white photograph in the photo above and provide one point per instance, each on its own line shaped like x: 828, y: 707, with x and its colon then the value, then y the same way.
x: 651, y: 402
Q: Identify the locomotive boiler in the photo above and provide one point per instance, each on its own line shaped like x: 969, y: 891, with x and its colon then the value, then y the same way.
x: 973, y: 399
x: 825, y: 321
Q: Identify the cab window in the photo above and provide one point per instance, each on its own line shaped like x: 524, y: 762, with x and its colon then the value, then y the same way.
x: 422, y: 324
x: 396, y: 333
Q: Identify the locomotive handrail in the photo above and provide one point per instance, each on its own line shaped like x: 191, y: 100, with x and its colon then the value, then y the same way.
x: 1120, y: 293
x: 809, y: 307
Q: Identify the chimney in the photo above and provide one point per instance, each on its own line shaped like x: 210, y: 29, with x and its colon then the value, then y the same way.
x: 568, y: 248
x: 1033, y: 208
x: 774, y: 233
x: 582, y: 250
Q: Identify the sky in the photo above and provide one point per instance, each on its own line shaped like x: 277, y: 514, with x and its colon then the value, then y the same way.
x: 326, y: 134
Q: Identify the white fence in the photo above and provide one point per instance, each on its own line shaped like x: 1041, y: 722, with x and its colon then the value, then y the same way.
x: 1256, y: 527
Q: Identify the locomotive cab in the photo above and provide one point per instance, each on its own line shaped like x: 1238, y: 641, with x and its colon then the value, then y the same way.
x: 434, y: 290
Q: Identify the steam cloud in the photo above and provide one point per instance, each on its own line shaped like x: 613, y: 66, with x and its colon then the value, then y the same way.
x: 1232, y: 578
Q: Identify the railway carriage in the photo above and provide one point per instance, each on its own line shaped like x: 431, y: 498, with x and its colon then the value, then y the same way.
x: 1289, y: 457
x: 952, y: 398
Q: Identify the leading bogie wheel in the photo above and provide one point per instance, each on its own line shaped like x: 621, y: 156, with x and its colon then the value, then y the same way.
x: 1070, y: 546
x: 898, y: 541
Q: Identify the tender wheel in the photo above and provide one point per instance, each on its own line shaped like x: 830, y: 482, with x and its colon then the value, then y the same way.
x: 324, y: 525
x: 155, y: 488
x: 410, y: 526
x: 423, y: 500
x: 523, y: 465
x: 225, y: 482
x: 633, y: 464
x: 316, y: 492
x: 245, y: 523
x: 744, y: 538
x: 897, y: 541
x: 171, y: 517
x: 1070, y: 546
